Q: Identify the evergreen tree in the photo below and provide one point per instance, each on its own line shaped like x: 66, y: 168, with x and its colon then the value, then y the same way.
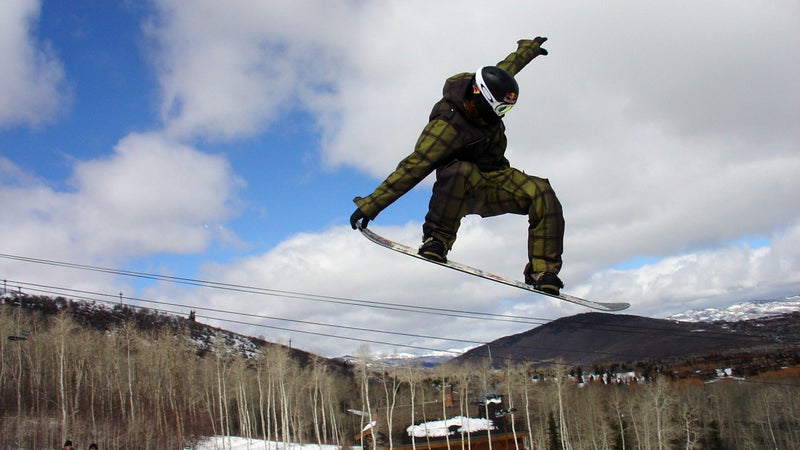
x: 713, y: 441
x: 552, y: 429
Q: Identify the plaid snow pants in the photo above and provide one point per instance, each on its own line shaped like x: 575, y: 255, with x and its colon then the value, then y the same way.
x: 462, y: 189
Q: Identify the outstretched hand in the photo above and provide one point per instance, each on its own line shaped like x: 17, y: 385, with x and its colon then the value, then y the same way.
x: 356, y: 217
x: 537, y: 42
x: 541, y: 40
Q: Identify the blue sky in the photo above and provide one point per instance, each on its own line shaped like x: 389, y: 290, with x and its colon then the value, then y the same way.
x: 224, y: 141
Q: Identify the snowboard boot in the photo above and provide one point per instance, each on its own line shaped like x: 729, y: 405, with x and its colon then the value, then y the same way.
x: 433, y: 249
x: 544, y: 281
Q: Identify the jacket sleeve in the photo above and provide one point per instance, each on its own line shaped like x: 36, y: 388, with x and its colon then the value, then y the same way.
x: 527, y: 49
x: 437, y: 143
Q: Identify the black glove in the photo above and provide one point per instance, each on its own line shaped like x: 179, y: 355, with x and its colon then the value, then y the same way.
x: 356, y: 216
x: 538, y: 41
x: 541, y: 40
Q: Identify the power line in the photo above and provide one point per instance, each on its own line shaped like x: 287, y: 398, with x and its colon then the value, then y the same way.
x: 329, y: 299
x: 56, y: 290
x: 526, y: 360
x: 445, y: 312
x: 62, y: 290
x: 627, y: 328
x: 47, y: 288
x: 288, y: 294
x: 50, y: 290
x: 523, y: 360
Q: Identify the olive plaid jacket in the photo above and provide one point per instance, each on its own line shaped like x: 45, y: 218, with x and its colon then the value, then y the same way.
x: 450, y: 135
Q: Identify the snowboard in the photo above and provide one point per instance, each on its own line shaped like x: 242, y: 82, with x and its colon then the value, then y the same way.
x: 392, y: 245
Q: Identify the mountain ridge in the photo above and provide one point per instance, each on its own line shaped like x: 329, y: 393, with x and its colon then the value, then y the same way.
x: 600, y: 338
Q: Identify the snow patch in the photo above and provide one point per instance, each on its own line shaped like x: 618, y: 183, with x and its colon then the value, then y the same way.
x: 743, y: 311
x: 241, y: 443
x: 455, y: 425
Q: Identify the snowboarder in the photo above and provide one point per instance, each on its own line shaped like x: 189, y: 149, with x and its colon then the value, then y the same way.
x: 465, y: 143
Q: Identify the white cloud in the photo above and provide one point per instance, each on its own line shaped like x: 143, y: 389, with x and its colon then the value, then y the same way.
x: 153, y: 195
x: 150, y: 196
x: 228, y: 70
x: 706, y: 278
x: 32, y: 88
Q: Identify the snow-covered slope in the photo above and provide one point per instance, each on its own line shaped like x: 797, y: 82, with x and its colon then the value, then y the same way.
x: 240, y: 443
x: 742, y: 311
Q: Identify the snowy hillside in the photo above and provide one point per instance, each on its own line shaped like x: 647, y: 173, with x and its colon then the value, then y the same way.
x: 240, y: 443
x: 742, y: 311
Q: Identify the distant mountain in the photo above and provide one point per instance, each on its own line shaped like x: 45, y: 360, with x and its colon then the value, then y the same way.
x: 426, y: 361
x: 743, y: 311
x: 598, y: 338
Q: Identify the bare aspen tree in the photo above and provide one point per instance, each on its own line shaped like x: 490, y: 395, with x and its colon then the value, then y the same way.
x: 537, y: 406
x: 259, y: 364
x: 391, y: 386
x: 441, y: 375
x: 593, y: 425
x: 485, y: 373
x: 315, y: 394
x: 210, y: 396
x: 661, y: 397
x: 116, y: 375
x: 410, y: 373
x: 12, y: 366
x: 5, y: 330
x: 560, y: 378
x: 364, y: 363
x: 239, y: 369
x: 273, y: 394
x: 19, y: 381
x: 688, y: 417
x: 511, y: 374
x: 278, y: 395
x: 37, y: 349
x: 325, y: 388
x: 638, y: 421
x: 619, y: 415
x: 94, y: 379
x: 332, y: 401
x: 526, y: 397
x: 284, y: 397
x: 64, y: 326
x: 79, y: 369
x: 181, y: 380
x: 129, y: 339
x: 463, y: 376
x: 220, y: 355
